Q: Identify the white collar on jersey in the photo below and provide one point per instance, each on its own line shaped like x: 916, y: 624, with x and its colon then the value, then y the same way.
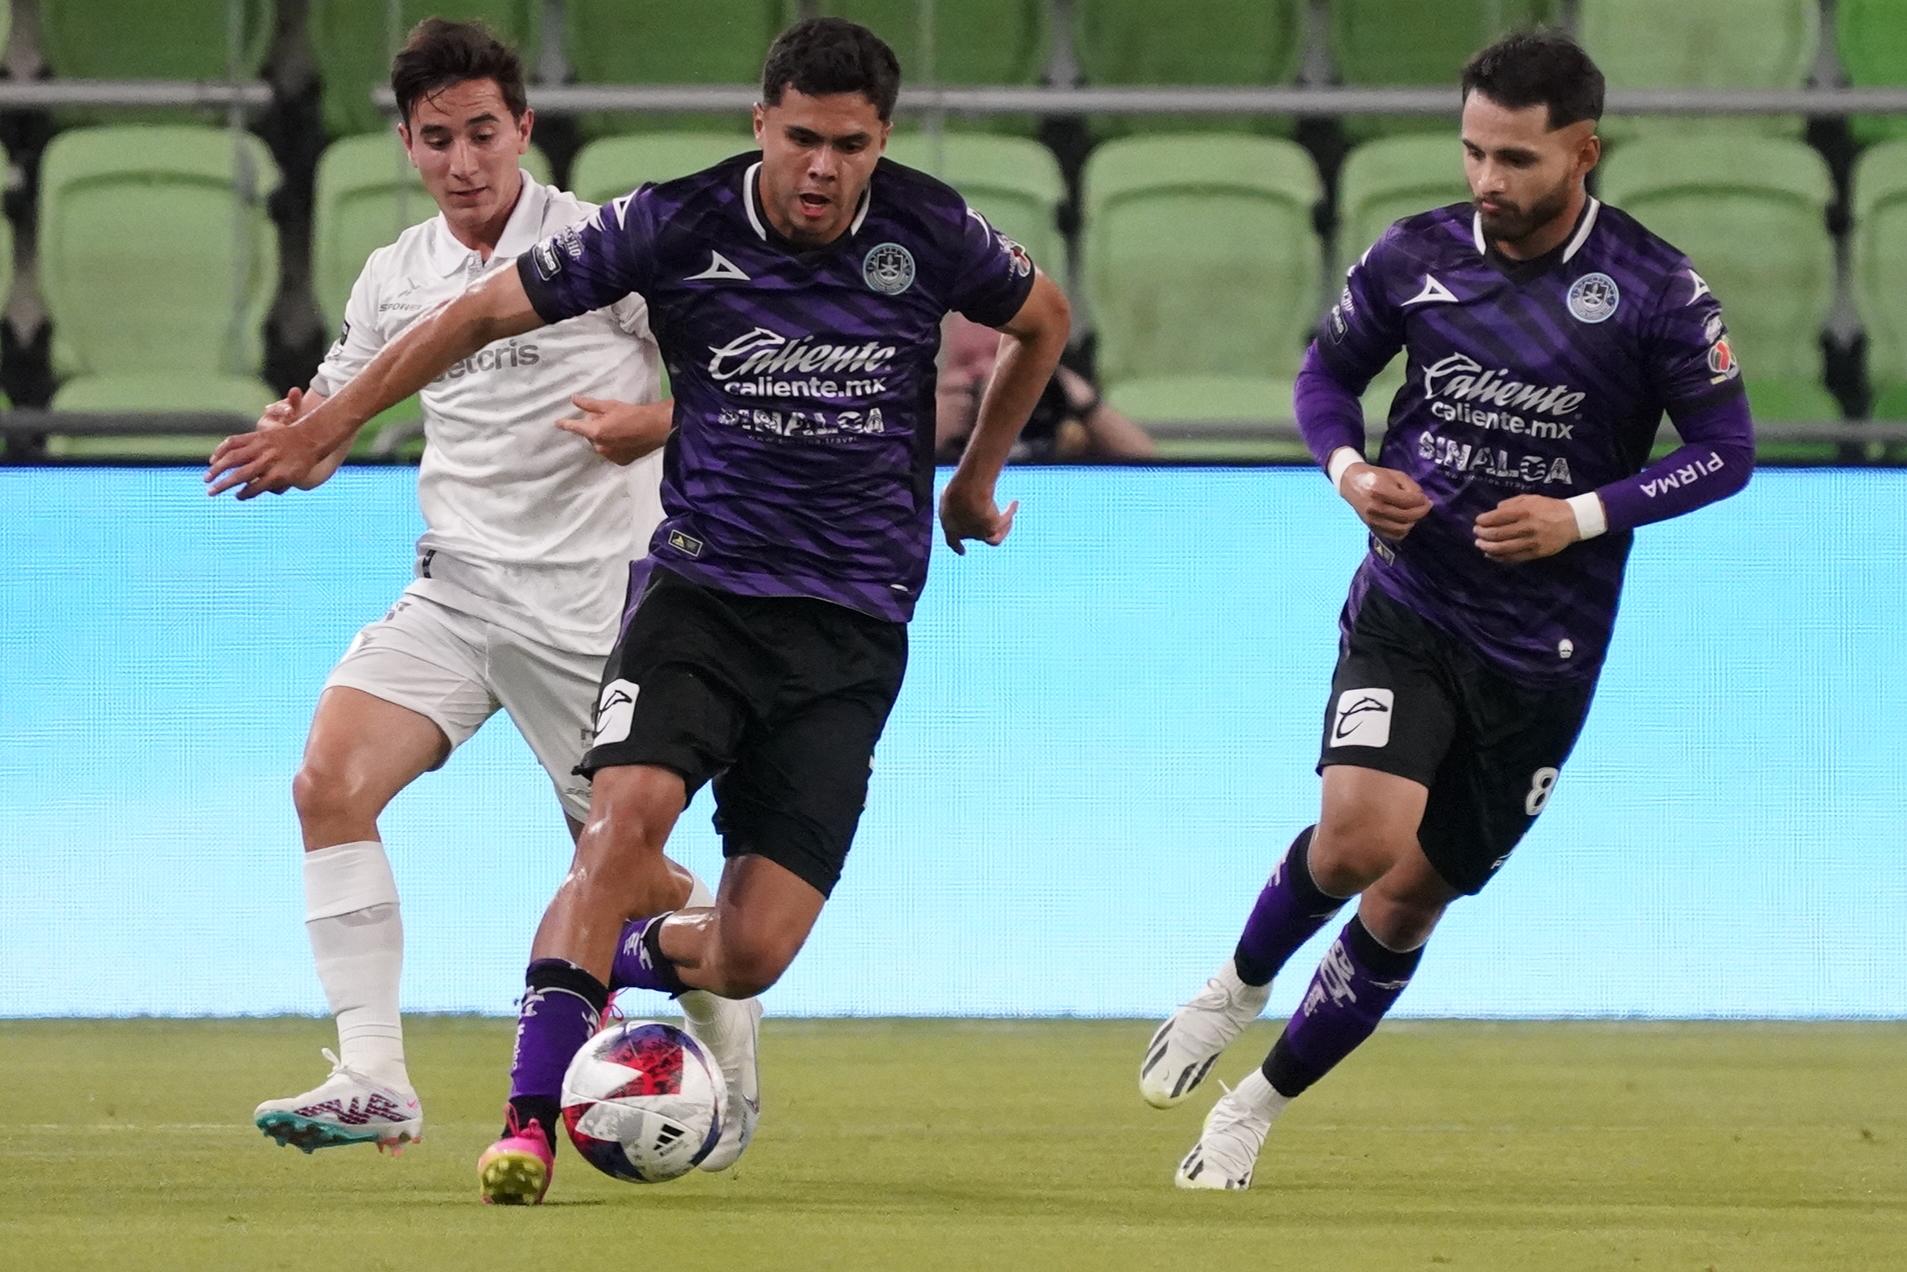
x: 520, y: 232
x: 1576, y: 240
x: 751, y: 195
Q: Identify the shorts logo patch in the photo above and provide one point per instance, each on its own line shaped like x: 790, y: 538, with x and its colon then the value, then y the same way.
x: 615, y: 711
x: 686, y: 544
x: 1363, y: 718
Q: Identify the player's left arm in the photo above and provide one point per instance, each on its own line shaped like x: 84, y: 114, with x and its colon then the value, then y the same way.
x: 1692, y: 369
x: 623, y: 432
x: 1035, y: 336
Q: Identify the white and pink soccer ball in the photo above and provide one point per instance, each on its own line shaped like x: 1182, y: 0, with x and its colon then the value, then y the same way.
x: 644, y: 1102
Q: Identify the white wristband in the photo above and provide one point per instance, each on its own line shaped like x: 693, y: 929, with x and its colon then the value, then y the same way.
x: 1591, y: 520
x: 1341, y: 458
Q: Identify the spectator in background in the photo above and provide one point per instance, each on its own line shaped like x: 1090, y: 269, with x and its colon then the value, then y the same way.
x: 1070, y: 422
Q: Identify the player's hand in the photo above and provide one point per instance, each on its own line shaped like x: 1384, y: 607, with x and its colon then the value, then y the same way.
x: 621, y: 432
x: 1386, y: 500
x: 968, y: 512
x: 1526, y: 528
x: 267, y: 461
x: 283, y: 411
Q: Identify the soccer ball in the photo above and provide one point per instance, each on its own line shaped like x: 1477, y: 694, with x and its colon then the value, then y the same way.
x: 644, y: 1102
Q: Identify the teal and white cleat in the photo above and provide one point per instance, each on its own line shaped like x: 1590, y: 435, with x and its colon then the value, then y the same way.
x: 1185, y: 1047
x: 734, y: 1039
x: 347, y: 1108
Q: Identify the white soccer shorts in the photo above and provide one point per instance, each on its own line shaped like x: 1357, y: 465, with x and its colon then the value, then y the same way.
x: 456, y: 669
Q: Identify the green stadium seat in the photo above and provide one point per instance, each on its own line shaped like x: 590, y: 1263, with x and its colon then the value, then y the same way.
x: 1406, y: 43
x: 1202, y: 272
x: 1751, y: 214
x: 1878, y: 255
x: 366, y: 193
x: 353, y: 42
x: 1872, y: 40
x: 1388, y: 179
x: 972, y: 42
x: 1201, y: 43
x: 667, y: 42
x: 1702, y: 44
x: 241, y: 396
x: 6, y: 260
x: 987, y: 42
x: 176, y: 40
x: 1013, y: 181
x: 188, y: 291
x: 613, y: 166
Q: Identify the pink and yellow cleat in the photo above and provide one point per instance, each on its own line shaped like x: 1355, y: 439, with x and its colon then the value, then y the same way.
x: 516, y: 1170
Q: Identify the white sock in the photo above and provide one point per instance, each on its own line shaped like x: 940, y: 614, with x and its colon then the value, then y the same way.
x: 1256, y: 1089
x: 698, y: 1004
x: 357, y: 940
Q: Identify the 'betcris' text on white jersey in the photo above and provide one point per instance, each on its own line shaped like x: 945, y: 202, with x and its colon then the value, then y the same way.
x: 524, y: 524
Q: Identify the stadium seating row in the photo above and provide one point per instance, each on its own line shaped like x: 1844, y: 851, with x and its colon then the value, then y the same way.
x: 1639, y: 43
x: 1199, y: 260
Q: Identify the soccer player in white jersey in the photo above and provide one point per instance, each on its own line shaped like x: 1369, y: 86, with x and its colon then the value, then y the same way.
x: 520, y: 572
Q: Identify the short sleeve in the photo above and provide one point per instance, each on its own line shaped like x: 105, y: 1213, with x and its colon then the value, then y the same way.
x: 1364, y: 330
x: 1689, y: 357
x: 593, y: 263
x: 358, y: 340
x: 992, y: 275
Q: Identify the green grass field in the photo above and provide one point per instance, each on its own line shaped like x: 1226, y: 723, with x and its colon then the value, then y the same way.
x: 921, y: 1145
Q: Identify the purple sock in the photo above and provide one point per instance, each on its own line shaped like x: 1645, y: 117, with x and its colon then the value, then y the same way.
x: 640, y: 962
x: 562, y: 1005
x: 1288, y: 912
x: 1354, y: 986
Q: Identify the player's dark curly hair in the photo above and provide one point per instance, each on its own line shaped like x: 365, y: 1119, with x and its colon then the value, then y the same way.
x: 1540, y: 67
x: 832, y: 55
x: 440, y: 53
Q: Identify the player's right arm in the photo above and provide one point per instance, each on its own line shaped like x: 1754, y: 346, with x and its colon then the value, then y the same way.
x: 580, y: 268
x: 1357, y: 339
x: 271, y: 461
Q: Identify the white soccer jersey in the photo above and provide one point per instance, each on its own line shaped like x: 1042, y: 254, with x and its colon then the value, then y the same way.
x: 525, y: 524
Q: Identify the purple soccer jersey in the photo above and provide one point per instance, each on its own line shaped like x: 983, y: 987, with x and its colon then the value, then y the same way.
x: 1546, y: 377
x: 802, y: 461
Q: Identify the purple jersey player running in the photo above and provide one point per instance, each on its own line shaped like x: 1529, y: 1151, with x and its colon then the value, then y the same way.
x: 1545, y: 334
x: 797, y: 295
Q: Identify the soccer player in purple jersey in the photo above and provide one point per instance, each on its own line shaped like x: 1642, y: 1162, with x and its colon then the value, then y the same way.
x: 1545, y: 334
x: 797, y: 295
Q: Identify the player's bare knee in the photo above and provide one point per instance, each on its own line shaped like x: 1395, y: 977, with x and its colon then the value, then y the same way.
x: 1348, y: 854
x: 1400, y: 918
x: 332, y: 797
x: 751, y: 963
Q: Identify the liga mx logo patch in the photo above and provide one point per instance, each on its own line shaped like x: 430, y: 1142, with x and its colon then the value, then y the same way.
x: 888, y: 269
x: 1593, y: 298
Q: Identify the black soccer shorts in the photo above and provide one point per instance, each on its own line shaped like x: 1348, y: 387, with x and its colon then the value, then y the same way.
x: 1410, y: 699
x: 778, y: 700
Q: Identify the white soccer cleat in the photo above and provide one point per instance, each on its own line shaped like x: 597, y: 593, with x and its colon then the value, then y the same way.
x: 733, y: 1038
x: 346, y: 1108
x: 1235, y: 1130
x: 1186, y: 1046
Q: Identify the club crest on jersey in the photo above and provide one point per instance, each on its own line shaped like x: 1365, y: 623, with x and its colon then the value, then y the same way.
x: 888, y: 269
x: 1593, y: 298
